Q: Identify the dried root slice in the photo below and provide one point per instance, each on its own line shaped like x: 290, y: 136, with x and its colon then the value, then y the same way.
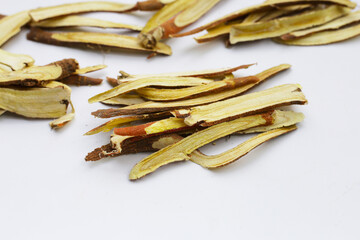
x: 353, y: 17
x: 124, y: 100
x: 93, y: 40
x: 239, y: 151
x: 169, y: 125
x: 129, y: 146
x: 51, y: 101
x: 15, y: 61
x: 108, y: 126
x: 281, y: 26
x: 36, y: 75
x: 217, y: 73
x: 325, y: 37
x: 197, y: 91
x: 62, y: 121
x: 90, y: 69
x: 180, y: 151
x: 11, y: 25
x: 149, y: 107
x: 252, y: 103
x: 172, y: 19
x: 81, y: 80
x: 145, y: 82
x: 261, y: 7
x: 76, y: 8
x: 78, y: 21
x: 282, y: 119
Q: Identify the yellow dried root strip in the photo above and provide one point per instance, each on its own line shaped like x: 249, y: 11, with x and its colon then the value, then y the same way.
x: 148, y: 107
x: 35, y: 75
x: 78, y: 21
x: 259, y: 7
x: 15, y: 61
x: 325, y: 37
x: 353, y: 17
x: 239, y: 151
x: 90, y: 69
x: 213, y: 113
x: 124, y: 100
x: 222, y: 30
x: 217, y: 73
x: 11, y: 25
x: 155, y: 94
x: 51, y: 101
x: 168, y: 125
x: 110, y: 125
x: 180, y: 151
x: 94, y: 40
x: 285, y: 10
x: 282, y: 119
x: 281, y: 26
x: 76, y: 8
x: 154, y: 81
x: 62, y: 121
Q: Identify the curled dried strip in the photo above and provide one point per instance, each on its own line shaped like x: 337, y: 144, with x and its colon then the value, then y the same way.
x: 237, y: 152
x: 150, y: 144
x: 11, y: 25
x: 93, y: 40
x: 281, y: 26
x: 149, y: 107
x: 325, y: 37
x: 351, y: 18
x: 252, y: 103
x: 145, y: 82
x: 62, y: 121
x: 78, y: 21
x: 197, y: 91
x: 15, y: 61
x: 37, y: 75
x: 180, y: 151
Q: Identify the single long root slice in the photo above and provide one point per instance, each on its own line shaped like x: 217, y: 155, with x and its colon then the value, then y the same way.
x: 145, y: 82
x: 282, y: 119
x: 129, y: 146
x: 214, y: 73
x: 333, y: 25
x: 124, y: 100
x: 90, y: 69
x: 261, y: 7
x: 78, y: 21
x: 281, y: 26
x: 11, y: 25
x: 225, y: 110
x: 76, y: 8
x: 149, y: 107
x: 15, y: 61
x: 197, y: 91
x: 36, y: 75
x: 50, y: 101
x: 180, y: 151
x: 94, y: 40
x: 169, y: 125
x: 325, y: 37
x: 239, y: 151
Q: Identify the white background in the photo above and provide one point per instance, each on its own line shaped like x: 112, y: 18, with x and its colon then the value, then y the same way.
x: 304, y: 185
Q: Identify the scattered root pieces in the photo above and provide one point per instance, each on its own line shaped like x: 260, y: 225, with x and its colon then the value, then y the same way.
x: 291, y: 22
x: 173, y: 18
x: 216, y: 107
x: 40, y: 91
x: 94, y: 40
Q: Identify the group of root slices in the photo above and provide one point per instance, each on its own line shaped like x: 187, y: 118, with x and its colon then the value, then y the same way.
x: 40, y: 91
x: 291, y: 22
x: 171, y: 17
x: 175, y: 114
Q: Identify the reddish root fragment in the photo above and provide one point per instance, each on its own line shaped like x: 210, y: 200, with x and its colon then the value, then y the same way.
x: 112, y: 81
x: 81, y: 80
x: 150, y: 5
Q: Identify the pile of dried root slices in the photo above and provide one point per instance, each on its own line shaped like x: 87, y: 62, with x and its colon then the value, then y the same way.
x: 40, y: 91
x: 290, y: 22
x: 175, y: 114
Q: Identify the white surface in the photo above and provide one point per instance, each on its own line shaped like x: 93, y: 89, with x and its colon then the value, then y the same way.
x: 304, y: 185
